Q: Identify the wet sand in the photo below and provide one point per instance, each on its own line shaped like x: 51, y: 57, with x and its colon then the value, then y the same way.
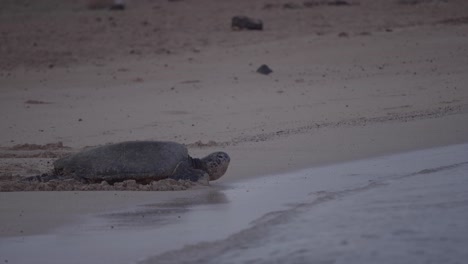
x: 382, y: 209
x: 408, y: 208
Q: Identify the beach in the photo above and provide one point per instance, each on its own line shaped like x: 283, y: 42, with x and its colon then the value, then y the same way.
x: 366, y: 110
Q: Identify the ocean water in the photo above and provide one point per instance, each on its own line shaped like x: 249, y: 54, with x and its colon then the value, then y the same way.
x: 405, y: 208
x: 409, y: 213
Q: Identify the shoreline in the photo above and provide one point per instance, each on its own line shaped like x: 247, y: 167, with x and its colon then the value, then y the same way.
x: 21, y: 208
x: 207, y: 215
x: 404, y: 199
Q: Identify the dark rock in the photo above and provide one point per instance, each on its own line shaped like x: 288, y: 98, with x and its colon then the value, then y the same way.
x: 243, y: 22
x: 264, y: 69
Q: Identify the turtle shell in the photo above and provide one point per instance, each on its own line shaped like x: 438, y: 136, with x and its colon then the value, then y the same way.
x: 138, y: 160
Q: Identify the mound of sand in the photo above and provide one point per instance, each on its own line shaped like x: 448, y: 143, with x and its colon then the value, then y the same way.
x: 10, y: 183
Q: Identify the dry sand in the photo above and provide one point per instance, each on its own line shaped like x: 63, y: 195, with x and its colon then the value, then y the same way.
x: 348, y: 82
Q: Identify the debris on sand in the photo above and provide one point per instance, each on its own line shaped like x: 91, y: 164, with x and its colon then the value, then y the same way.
x: 314, y: 3
x: 308, y: 4
x: 201, y: 144
x: 118, y: 7
x: 36, y: 102
x: 98, y: 4
x: 417, y: 2
x: 455, y: 21
x: 291, y: 6
x: 49, y: 146
x: 243, y: 22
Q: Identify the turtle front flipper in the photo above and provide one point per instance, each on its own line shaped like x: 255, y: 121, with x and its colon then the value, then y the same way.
x: 187, y: 173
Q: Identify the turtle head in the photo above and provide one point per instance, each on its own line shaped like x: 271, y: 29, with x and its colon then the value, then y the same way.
x: 216, y: 164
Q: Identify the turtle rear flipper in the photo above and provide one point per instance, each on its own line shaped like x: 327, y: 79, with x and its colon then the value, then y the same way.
x: 41, y: 178
x: 50, y: 177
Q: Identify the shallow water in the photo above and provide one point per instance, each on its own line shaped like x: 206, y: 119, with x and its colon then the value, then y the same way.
x: 395, y: 207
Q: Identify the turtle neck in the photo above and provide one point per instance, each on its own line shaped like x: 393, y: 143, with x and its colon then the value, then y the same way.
x: 197, y: 163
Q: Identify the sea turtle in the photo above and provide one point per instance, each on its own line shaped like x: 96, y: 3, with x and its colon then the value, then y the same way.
x: 142, y: 161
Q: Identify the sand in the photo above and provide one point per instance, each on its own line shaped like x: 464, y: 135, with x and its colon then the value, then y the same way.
x: 349, y: 82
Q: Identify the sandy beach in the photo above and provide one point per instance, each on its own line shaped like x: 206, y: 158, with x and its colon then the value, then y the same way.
x: 372, y: 88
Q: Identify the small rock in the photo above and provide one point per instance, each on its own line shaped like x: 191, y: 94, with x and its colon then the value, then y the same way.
x: 135, y: 52
x: 264, y: 69
x: 243, y: 22
x: 343, y: 35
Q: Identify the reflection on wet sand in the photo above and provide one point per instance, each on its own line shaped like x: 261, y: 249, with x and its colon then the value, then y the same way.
x: 162, y: 213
